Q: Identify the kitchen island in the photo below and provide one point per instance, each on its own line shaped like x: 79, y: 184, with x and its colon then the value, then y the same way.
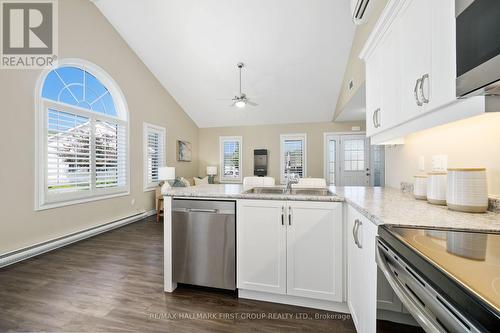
x: 319, y: 251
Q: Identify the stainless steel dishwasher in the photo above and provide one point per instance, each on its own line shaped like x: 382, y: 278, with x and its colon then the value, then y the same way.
x: 204, y: 234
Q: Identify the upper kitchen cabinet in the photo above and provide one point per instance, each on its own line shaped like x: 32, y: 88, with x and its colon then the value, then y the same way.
x: 411, y: 70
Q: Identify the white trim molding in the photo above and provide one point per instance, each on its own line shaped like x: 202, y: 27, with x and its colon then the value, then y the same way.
x: 42, y: 199
x: 37, y: 249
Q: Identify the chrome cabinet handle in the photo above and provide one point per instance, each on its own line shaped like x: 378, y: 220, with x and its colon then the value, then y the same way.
x: 415, y: 92
x: 376, y: 123
x: 289, y: 215
x: 360, y: 246
x: 354, y: 230
x: 424, y: 77
x: 378, y: 117
x: 282, y: 215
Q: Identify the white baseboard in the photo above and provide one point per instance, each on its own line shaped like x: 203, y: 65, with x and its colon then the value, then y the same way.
x: 37, y: 249
x: 151, y: 212
x: 294, y: 300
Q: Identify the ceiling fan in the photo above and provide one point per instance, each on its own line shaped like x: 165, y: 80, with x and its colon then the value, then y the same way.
x: 241, y: 100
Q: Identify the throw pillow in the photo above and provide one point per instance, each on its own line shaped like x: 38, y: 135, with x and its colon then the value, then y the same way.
x: 200, y: 181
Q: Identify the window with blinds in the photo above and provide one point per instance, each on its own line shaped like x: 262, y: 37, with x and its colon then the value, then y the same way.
x: 84, y: 135
x: 293, y: 156
x: 230, y: 159
x: 154, y: 154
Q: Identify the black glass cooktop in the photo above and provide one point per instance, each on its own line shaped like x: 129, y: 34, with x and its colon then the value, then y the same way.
x: 464, y: 265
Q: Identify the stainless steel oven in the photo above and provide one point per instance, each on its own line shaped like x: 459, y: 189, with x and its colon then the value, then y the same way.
x: 477, y: 47
x: 445, y: 279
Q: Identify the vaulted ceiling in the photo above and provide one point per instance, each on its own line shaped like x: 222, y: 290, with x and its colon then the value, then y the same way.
x: 295, y: 53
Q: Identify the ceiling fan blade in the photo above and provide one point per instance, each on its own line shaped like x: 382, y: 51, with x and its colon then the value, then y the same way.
x: 224, y: 99
x: 233, y: 104
x: 251, y: 103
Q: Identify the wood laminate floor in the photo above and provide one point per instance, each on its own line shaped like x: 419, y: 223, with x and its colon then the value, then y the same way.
x: 114, y: 282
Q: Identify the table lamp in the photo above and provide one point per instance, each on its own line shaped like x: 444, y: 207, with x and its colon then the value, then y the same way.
x: 166, y: 174
x: 211, y: 172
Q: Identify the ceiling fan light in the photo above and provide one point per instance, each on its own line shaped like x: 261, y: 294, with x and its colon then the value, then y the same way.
x: 240, y: 104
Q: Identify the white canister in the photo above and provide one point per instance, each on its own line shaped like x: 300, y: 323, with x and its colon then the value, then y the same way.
x: 420, y: 187
x: 467, y: 190
x: 436, y: 188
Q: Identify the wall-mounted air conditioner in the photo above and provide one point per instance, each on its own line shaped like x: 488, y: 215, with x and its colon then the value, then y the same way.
x: 360, y: 10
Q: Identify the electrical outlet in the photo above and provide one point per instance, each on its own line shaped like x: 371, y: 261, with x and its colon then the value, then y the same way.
x: 439, y: 163
x: 421, y: 163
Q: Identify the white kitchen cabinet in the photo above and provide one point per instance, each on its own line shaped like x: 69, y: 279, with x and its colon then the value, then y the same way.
x: 373, y: 92
x: 261, y: 245
x: 314, y: 250
x: 361, y: 271
x: 410, y: 68
x: 290, y: 247
x: 414, y: 24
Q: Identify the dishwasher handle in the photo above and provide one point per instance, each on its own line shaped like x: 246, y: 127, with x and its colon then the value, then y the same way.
x: 202, y: 210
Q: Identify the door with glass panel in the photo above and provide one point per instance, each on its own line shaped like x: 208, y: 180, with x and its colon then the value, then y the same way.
x: 354, y: 161
x: 331, y: 157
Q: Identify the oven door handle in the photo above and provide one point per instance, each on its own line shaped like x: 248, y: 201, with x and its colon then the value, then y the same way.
x: 428, y: 323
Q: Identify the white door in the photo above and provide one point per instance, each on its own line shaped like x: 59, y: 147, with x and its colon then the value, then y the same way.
x: 314, y: 250
x: 261, y: 245
x: 331, y: 157
x: 354, y: 161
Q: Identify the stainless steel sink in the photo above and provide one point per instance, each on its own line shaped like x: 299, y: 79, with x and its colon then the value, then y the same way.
x: 266, y: 190
x: 310, y: 191
x: 294, y: 191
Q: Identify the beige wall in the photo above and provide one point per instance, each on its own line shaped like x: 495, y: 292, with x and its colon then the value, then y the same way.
x: 268, y: 137
x: 472, y: 142
x: 355, y: 69
x: 83, y: 33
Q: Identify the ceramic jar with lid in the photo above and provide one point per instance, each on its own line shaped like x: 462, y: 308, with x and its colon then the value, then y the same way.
x: 467, y: 190
x: 436, y: 188
x: 420, y: 187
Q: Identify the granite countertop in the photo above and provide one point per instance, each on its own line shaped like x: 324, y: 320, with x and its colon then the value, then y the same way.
x: 380, y: 205
x: 235, y: 191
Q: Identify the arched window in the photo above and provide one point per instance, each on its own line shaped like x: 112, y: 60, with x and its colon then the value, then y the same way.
x: 82, y: 135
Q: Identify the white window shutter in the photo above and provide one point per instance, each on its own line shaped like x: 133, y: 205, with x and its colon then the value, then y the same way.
x: 154, y: 154
x: 293, y: 152
x: 230, y: 151
x: 68, y: 165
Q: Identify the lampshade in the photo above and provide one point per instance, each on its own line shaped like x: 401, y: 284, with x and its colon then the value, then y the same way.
x: 166, y: 173
x: 211, y: 170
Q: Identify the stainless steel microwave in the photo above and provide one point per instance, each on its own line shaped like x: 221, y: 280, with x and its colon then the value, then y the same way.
x: 478, y: 47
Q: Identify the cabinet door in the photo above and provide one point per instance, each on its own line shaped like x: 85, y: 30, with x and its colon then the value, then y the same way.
x: 355, y: 280
x: 415, y: 24
x: 373, y: 86
x: 314, y: 250
x: 441, y: 81
x: 361, y: 271
x: 390, y: 80
x: 367, y: 233
x: 261, y: 245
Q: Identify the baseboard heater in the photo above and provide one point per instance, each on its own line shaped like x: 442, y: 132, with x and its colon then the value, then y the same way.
x: 34, y: 250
